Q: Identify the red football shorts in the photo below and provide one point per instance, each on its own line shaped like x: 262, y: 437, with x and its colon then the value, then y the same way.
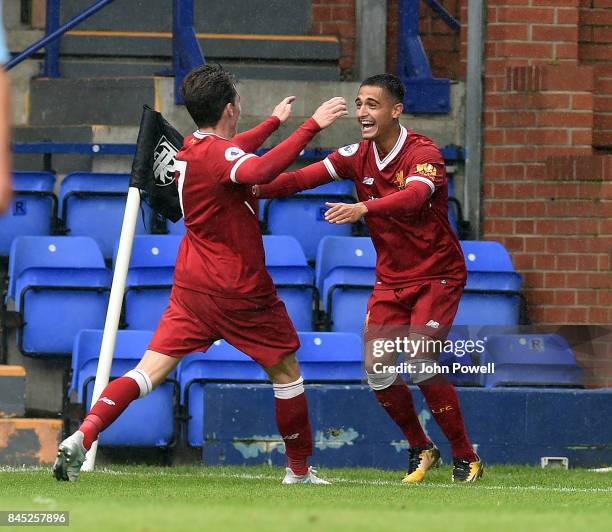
x: 428, y: 308
x: 259, y: 327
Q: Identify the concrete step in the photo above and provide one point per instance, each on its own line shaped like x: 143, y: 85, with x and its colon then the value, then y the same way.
x: 12, y: 391
x: 71, y: 67
x: 28, y: 442
x: 229, y: 16
x: 215, y: 46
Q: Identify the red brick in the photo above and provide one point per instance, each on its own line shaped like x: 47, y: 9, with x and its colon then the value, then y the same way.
x: 596, y: 17
x: 524, y: 227
x: 525, y: 15
x: 530, y: 50
x: 599, y: 280
x: 581, y: 137
x: 547, y: 137
x: 512, y: 32
x: 566, y: 50
x: 586, y: 297
x: 514, y: 208
x: 565, y: 297
x: 567, y: 16
x: 544, y: 261
x: 555, y: 245
x: 513, y: 118
x: 565, y: 119
x: 567, y: 262
x: 550, y: 33
x: 577, y: 315
x: 567, y: 78
x: 588, y: 262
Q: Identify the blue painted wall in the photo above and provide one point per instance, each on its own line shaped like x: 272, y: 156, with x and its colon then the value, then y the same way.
x: 505, y: 425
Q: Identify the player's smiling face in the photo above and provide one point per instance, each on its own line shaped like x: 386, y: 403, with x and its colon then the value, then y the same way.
x: 377, y: 112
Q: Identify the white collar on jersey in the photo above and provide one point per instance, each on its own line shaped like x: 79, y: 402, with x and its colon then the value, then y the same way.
x: 201, y: 134
x: 396, y: 149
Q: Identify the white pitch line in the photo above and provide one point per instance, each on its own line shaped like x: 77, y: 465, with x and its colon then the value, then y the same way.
x: 250, y: 476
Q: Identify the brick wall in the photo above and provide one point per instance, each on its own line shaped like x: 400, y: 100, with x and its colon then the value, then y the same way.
x: 547, y: 196
x: 337, y: 17
x: 441, y: 44
x: 595, y: 48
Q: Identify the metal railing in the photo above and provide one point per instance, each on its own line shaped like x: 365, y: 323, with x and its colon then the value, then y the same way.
x: 426, y: 94
x: 186, y: 50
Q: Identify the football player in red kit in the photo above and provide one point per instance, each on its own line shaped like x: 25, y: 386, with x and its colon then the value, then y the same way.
x: 221, y: 287
x: 401, y: 184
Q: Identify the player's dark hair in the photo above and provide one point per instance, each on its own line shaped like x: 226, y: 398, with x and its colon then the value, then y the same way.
x: 207, y: 89
x: 390, y: 83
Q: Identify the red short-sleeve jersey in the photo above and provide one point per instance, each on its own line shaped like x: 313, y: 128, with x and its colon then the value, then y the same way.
x: 222, y: 252
x: 413, y: 247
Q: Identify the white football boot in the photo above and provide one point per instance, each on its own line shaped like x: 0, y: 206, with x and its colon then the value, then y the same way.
x: 308, y: 478
x: 70, y: 458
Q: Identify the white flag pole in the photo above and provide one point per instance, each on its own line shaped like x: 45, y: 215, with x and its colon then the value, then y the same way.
x: 113, y: 313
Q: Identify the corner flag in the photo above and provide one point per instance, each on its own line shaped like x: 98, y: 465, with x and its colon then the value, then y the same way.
x: 153, y: 167
x: 153, y: 176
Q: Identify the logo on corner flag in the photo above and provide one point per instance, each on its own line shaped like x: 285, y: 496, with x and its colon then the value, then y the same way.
x: 163, y: 162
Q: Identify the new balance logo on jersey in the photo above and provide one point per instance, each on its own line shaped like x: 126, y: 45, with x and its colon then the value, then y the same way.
x: 163, y: 162
x: 433, y: 324
x: 107, y: 401
x: 368, y: 181
x: 292, y: 436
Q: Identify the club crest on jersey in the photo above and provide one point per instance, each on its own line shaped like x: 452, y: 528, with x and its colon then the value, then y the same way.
x: 233, y: 153
x: 368, y: 181
x: 427, y: 169
x: 163, y: 162
x: 400, y: 180
x: 349, y: 150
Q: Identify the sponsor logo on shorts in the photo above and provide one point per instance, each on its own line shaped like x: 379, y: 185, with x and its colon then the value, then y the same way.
x: 433, y: 324
x: 292, y: 436
x: 368, y: 181
x: 107, y: 401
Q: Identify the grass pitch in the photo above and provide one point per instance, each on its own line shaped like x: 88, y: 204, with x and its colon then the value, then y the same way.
x: 252, y: 498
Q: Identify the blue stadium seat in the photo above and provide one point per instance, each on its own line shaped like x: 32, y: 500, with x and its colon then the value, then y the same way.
x: 176, y: 228
x: 331, y: 357
x: 149, y: 279
x: 462, y: 353
x: 293, y: 277
x: 345, y: 276
x: 93, y: 205
x: 530, y: 360
x: 302, y: 215
x: 491, y: 294
x: 32, y: 211
x: 147, y: 422
x: 60, y: 285
x: 222, y: 362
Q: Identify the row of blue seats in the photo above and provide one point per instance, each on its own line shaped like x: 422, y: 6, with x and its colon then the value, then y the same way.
x: 324, y: 358
x: 93, y: 204
x: 44, y: 271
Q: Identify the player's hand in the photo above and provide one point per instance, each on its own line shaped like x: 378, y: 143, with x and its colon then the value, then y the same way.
x: 329, y: 111
x: 345, y: 213
x: 283, y: 110
x: 6, y: 193
x: 255, y: 191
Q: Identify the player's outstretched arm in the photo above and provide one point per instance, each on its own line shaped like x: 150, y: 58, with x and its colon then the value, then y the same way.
x: 290, y: 183
x: 407, y: 201
x: 251, y: 140
x: 253, y: 170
